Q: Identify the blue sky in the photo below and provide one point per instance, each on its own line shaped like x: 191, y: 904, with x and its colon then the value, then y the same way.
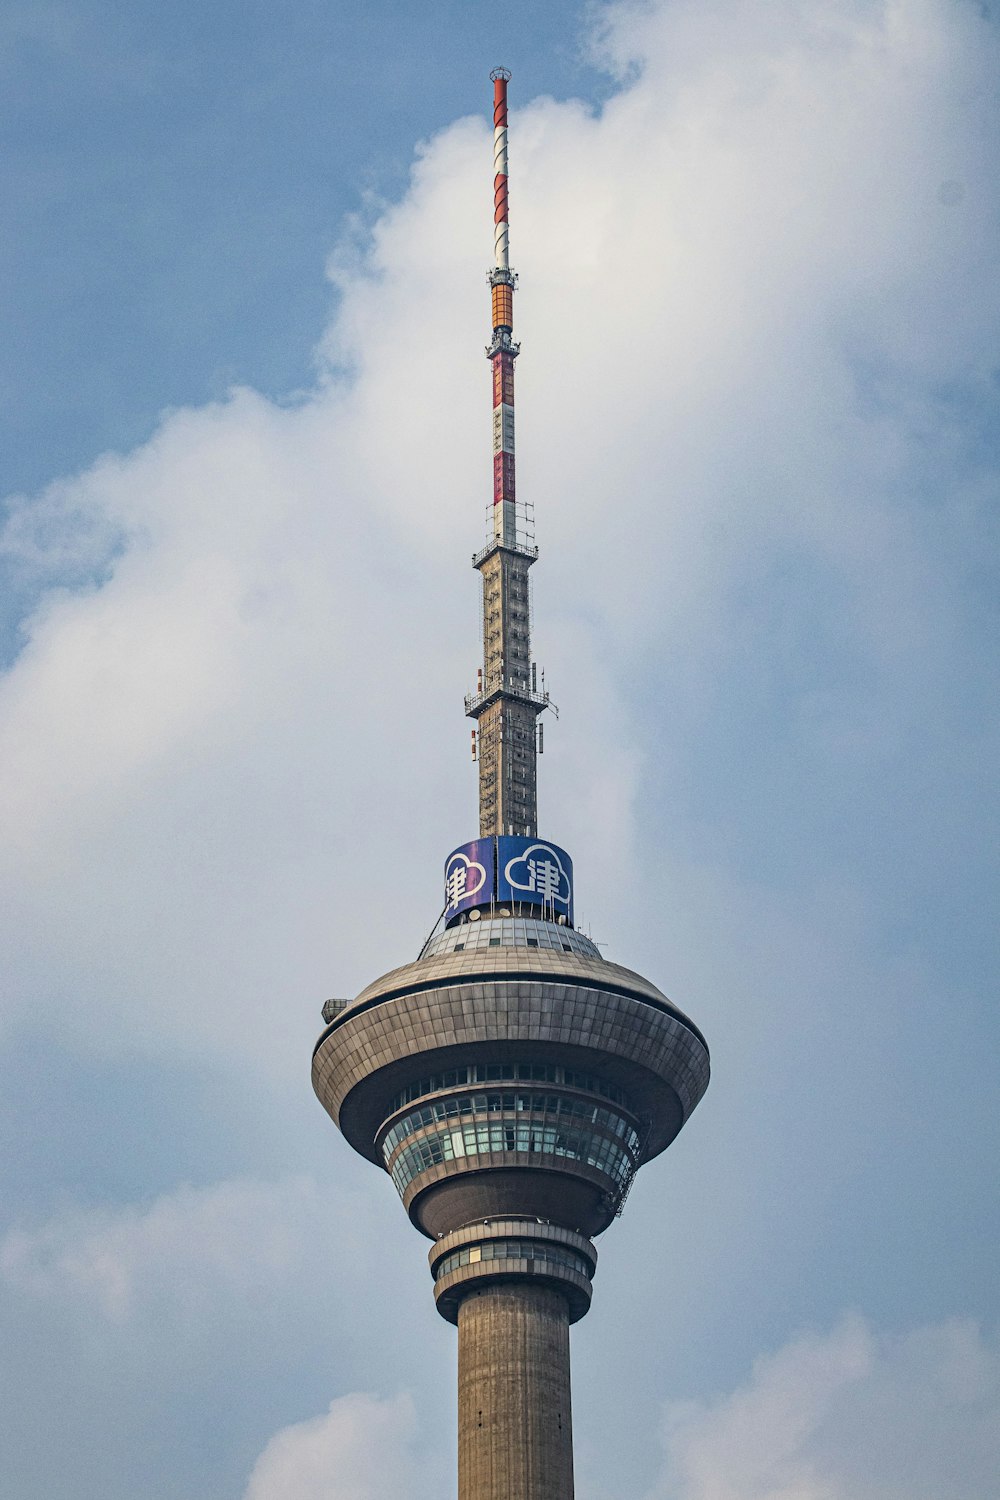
x: 167, y: 172
x: 246, y: 459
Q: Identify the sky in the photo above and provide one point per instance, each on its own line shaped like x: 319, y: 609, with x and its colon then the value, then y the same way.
x: 246, y: 459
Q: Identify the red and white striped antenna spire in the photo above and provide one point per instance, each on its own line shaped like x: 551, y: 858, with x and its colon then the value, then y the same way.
x: 501, y: 231
x: 502, y: 350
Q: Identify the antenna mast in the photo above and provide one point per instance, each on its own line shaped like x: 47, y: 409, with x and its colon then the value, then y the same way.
x: 506, y: 705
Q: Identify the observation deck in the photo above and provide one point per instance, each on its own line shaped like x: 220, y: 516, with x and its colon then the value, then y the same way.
x: 511, y: 1073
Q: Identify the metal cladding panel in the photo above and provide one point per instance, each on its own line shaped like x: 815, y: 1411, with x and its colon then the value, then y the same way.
x: 536, y: 872
x: 503, y: 477
x: 503, y: 306
x: 469, y: 876
x: 503, y: 429
x: 504, y: 522
x: 503, y: 379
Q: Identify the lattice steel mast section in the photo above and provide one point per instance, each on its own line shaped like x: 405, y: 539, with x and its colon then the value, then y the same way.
x: 511, y: 1080
x: 507, y: 703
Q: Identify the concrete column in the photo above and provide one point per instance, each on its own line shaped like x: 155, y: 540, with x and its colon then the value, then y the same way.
x: 515, y: 1435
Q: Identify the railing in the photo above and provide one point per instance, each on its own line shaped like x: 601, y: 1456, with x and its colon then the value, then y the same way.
x: 520, y: 548
x: 617, y: 1201
x: 474, y: 702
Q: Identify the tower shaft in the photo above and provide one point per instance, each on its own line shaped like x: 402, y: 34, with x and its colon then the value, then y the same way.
x: 515, y: 1436
x: 509, y: 707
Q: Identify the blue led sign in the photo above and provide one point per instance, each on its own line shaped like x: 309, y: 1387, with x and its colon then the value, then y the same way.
x: 536, y: 872
x: 469, y: 877
x: 507, y: 869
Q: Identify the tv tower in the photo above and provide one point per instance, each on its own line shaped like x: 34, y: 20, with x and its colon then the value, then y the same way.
x: 510, y: 1081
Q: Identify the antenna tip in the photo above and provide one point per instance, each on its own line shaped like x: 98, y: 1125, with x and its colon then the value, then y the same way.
x: 499, y: 74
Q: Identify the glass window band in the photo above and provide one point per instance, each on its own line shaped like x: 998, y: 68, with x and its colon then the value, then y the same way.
x: 562, y: 1107
x: 497, y: 1137
x: 523, y: 1072
x: 533, y: 1250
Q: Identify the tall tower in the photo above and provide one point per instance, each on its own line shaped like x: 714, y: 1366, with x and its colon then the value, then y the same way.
x: 510, y: 1081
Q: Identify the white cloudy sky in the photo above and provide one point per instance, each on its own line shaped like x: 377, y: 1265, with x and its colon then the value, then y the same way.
x: 758, y: 417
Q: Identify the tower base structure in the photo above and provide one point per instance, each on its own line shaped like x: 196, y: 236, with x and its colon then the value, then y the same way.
x: 511, y: 1081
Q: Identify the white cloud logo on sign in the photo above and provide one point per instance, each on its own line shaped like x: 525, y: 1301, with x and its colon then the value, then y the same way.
x: 463, y: 877
x: 539, y: 871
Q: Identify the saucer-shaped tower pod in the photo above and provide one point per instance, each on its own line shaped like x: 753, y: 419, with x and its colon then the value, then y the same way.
x: 511, y: 1081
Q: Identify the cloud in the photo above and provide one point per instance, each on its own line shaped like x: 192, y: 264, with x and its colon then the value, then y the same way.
x: 847, y: 1416
x: 174, y: 1336
x: 758, y: 457
x: 756, y: 408
x: 189, y: 1251
x: 362, y: 1449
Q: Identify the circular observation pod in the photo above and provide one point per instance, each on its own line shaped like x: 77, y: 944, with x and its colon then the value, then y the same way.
x: 510, y: 1072
x: 480, y: 1256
